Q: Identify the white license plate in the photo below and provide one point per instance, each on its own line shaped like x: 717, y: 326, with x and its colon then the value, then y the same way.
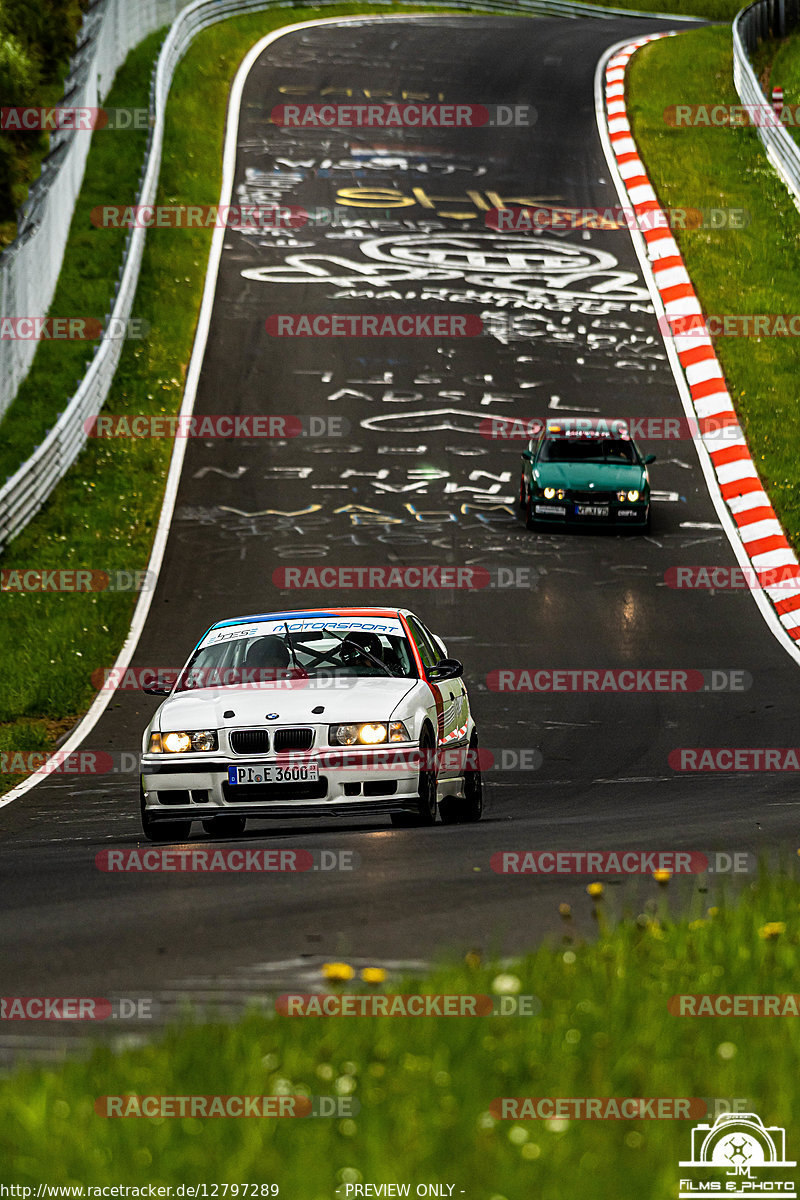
x: 591, y: 510
x: 274, y: 773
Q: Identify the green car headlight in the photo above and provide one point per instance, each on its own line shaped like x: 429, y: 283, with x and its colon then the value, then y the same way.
x: 179, y: 742
x: 549, y: 493
x: 633, y: 495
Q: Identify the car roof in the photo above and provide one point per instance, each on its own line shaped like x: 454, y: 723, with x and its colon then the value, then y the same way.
x: 294, y: 613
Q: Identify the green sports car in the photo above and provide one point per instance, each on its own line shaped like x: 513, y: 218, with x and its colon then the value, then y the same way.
x: 585, y: 472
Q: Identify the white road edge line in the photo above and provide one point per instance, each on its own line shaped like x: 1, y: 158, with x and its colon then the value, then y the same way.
x: 103, y: 698
x: 639, y: 245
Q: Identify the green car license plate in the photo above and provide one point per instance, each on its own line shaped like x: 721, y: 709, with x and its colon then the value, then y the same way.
x: 591, y: 510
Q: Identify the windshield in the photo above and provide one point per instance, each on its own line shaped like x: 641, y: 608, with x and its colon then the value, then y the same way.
x: 596, y: 449
x: 316, y: 654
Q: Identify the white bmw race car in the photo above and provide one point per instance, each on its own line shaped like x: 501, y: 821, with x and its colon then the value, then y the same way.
x: 316, y: 713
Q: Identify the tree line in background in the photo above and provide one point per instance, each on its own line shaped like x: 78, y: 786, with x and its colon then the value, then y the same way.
x: 37, y: 38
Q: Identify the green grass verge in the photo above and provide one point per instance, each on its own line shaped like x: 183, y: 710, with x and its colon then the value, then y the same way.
x: 711, y: 10
x: 750, y: 270
x: 425, y: 1085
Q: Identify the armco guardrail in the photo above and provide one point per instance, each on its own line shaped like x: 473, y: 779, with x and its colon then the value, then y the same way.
x: 29, y: 267
x: 766, y: 18
x: 25, y: 492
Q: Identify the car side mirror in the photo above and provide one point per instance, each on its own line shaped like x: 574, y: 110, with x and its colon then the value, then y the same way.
x: 446, y: 668
x: 649, y: 458
x: 528, y: 454
x: 161, y: 683
x: 158, y: 688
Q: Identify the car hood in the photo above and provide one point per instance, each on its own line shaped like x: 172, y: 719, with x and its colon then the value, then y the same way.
x: 579, y: 476
x: 373, y: 698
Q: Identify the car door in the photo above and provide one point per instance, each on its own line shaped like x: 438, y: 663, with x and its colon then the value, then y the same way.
x: 451, y: 701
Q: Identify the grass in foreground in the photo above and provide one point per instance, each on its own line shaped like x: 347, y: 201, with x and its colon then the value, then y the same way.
x: 425, y: 1085
x: 750, y: 270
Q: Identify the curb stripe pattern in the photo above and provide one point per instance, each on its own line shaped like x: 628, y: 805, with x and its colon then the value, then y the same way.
x: 763, y: 538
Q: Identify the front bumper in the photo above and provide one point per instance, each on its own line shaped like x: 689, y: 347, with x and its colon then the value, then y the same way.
x: 350, y: 782
x: 569, y: 512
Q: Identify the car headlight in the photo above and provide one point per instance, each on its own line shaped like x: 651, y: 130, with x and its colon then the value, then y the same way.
x: 633, y: 495
x: 549, y: 493
x: 180, y: 742
x: 368, y: 733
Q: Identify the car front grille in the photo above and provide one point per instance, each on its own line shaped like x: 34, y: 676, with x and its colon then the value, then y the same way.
x: 592, y: 497
x: 293, y: 739
x: 249, y: 741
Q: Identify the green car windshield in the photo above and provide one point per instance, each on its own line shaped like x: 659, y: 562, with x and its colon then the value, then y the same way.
x: 582, y: 450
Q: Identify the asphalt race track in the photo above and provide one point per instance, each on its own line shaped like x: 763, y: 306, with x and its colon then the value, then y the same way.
x: 409, y: 478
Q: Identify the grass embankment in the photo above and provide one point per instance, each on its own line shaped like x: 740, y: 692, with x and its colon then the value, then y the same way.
x: 749, y: 270
x: 425, y: 1085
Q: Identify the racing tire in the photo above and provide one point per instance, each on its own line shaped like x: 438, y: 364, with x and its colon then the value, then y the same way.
x: 456, y: 811
x: 425, y: 813
x: 530, y: 520
x: 163, y: 831
x: 225, y: 827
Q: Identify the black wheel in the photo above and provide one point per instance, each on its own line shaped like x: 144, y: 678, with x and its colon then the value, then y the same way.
x: 530, y: 521
x: 456, y: 811
x: 225, y: 827
x: 522, y: 490
x: 162, y: 831
x: 425, y: 813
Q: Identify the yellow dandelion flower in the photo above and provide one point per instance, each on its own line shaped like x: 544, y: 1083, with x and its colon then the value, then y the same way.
x: 772, y: 930
x: 373, y: 974
x: 337, y: 972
